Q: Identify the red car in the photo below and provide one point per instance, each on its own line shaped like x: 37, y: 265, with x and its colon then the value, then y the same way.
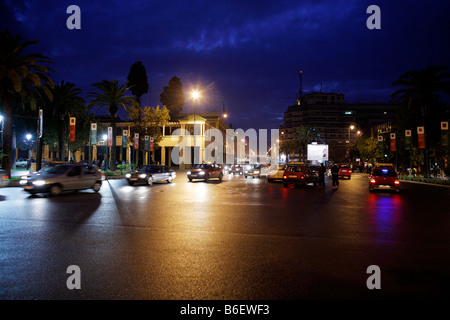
x: 205, y: 172
x: 384, y: 179
x: 299, y: 174
x: 345, y: 171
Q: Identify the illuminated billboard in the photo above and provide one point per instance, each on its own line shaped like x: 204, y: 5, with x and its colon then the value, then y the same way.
x: 318, y: 152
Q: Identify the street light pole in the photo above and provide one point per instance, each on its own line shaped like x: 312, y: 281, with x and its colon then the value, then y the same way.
x: 195, y: 96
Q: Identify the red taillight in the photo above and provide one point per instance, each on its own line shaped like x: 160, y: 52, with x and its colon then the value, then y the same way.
x: 284, y: 177
x: 302, y: 177
x: 372, y: 181
x: 397, y: 182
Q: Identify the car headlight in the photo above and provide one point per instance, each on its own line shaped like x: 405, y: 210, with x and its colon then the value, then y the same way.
x: 23, y: 181
x: 39, y: 182
x: 142, y: 176
x: 128, y: 176
x: 188, y: 172
x: 201, y: 173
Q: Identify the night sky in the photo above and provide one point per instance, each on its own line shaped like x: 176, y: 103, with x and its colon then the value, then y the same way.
x: 244, y: 54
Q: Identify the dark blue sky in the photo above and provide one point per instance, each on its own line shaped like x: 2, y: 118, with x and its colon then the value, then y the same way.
x: 245, y: 54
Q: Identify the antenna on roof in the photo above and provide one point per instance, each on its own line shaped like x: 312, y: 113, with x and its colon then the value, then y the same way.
x: 300, y: 89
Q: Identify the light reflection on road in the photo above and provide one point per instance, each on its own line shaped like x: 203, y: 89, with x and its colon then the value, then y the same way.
x: 386, y: 212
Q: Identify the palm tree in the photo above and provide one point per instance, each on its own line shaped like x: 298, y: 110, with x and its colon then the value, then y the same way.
x: 303, y: 136
x: 419, y: 103
x: 21, y: 75
x: 421, y: 89
x: 112, y: 96
x: 66, y: 102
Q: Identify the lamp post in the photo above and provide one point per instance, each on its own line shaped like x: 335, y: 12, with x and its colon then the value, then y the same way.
x: 195, y: 95
x: 350, y: 128
x: 1, y: 132
x: 105, y: 137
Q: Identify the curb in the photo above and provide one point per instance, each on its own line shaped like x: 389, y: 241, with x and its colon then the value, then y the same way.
x: 426, y: 183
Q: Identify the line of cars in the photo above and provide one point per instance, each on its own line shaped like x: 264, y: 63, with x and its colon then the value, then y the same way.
x: 58, y: 177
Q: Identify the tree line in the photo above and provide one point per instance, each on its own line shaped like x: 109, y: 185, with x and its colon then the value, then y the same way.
x: 26, y: 86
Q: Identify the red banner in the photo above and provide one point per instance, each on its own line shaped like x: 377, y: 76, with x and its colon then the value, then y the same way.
x: 110, y: 137
x: 421, y: 136
x: 393, y: 147
x: 72, y: 129
x: 136, y: 141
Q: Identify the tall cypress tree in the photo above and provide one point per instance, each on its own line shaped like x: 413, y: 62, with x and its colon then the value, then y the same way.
x: 137, y: 80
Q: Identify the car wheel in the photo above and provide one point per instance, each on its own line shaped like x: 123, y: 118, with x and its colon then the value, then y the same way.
x: 207, y: 178
x: 130, y: 183
x: 169, y: 180
x: 221, y: 177
x: 96, y: 187
x: 150, y: 181
x: 284, y: 184
x: 55, y: 190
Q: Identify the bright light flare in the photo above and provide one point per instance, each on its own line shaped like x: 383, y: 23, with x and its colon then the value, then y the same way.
x: 195, y: 95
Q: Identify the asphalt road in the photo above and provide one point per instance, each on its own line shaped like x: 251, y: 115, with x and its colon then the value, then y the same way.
x: 239, y: 239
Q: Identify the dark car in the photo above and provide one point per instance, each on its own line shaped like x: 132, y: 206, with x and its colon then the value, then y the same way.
x: 383, y: 178
x: 205, y: 172
x: 150, y: 174
x: 54, y: 179
x: 299, y: 174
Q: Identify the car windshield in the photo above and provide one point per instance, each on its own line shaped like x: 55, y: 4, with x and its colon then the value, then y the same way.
x: 151, y: 169
x: 295, y: 169
x: 384, y: 173
x: 202, y: 166
x: 58, y: 169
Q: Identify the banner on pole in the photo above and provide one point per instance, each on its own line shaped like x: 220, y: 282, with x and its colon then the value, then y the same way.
x: 110, y: 136
x: 151, y: 143
x: 41, y: 120
x: 124, y: 138
x: 421, y: 137
x: 72, y: 121
x: 444, y: 133
x: 136, y: 141
x: 146, y: 143
x: 93, y: 133
x: 408, y: 139
x: 380, y: 144
x: 392, y: 141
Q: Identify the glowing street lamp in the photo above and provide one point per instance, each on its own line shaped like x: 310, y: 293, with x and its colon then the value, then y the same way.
x: 195, y: 95
x: 350, y: 128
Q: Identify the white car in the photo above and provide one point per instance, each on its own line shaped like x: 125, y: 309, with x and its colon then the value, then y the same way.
x: 276, y: 173
x: 21, y: 162
x: 256, y: 170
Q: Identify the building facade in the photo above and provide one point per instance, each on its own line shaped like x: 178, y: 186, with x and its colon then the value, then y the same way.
x: 336, y: 122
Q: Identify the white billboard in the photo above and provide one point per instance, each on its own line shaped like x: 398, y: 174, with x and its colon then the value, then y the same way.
x: 318, y: 152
